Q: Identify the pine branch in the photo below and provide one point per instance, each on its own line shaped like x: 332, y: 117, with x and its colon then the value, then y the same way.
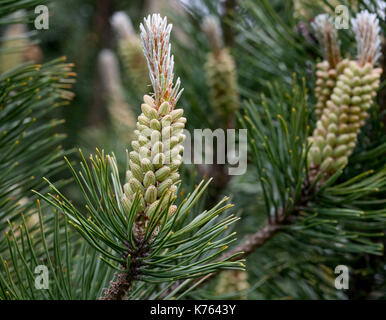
x: 253, y: 241
x: 124, y: 281
x: 250, y: 244
x: 304, y: 196
x: 13, y: 6
x: 118, y: 288
x: 137, y: 227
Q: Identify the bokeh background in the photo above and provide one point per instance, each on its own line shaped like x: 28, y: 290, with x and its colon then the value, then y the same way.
x: 269, y: 41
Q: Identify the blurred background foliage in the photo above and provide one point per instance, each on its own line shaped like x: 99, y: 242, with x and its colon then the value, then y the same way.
x: 270, y: 41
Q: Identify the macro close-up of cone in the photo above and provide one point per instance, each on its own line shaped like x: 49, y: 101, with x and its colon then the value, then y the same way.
x: 156, y: 154
x: 192, y: 159
x: 343, y: 104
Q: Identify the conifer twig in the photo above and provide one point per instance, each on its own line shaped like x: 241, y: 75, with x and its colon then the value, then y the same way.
x: 328, y: 38
x: 153, y: 164
x: 249, y: 245
x: 124, y: 281
x: 253, y: 241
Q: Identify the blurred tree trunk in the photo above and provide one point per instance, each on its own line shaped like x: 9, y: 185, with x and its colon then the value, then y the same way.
x: 103, y: 39
x: 229, y: 14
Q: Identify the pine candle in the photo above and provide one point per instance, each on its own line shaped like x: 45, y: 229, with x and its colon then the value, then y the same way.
x: 332, y: 65
x: 221, y: 75
x: 335, y: 136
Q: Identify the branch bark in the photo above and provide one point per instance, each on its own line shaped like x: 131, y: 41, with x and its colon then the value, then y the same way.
x: 118, y: 288
x: 247, y: 246
x: 124, y: 281
x: 252, y: 242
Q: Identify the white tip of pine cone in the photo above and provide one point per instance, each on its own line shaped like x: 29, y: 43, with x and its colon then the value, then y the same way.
x: 327, y: 36
x: 122, y: 25
x: 211, y: 26
x: 155, y: 36
x: 378, y: 6
x: 367, y: 35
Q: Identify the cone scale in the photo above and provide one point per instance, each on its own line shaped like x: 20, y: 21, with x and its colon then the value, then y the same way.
x: 346, y: 109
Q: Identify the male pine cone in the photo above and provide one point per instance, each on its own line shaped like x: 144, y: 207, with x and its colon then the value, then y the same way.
x: 234, y: 283
x: 130, y: 50
x: 346, y: 110
x: 336, y: 132
x: 327, y: 70
x: 122, y: 118
x: 221, y: 75
x: 156, y: 156
x: 326, y: 76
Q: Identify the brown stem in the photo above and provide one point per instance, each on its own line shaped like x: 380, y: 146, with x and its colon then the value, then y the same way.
x: 119, y: 288
x: 124, y: 281
x: 247, y: 246
x: 229, y: 32
x: 252, y: 242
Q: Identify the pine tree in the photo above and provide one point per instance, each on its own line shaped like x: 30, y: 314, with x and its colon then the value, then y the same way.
x: 312, y: 100
x: 303, y: 211
x: 136, y: 228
